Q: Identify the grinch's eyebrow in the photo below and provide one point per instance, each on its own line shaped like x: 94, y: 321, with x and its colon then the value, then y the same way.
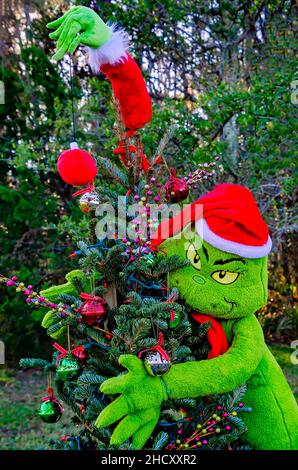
x: 205, y: 252
x: 225, y: 261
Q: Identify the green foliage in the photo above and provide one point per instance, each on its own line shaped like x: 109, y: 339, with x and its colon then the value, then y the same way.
x: 33, y: 363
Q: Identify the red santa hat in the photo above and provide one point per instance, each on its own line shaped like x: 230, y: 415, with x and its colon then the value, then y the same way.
x: 228, y: 218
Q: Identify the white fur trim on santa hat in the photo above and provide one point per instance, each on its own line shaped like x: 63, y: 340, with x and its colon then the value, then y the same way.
x: 112, y: 51
x: 247, y: 251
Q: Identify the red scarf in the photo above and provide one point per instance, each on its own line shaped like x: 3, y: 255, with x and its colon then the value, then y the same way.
x: 216, y: 335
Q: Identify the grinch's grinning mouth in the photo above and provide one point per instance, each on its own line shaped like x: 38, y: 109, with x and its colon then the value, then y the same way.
x: 233, y: 304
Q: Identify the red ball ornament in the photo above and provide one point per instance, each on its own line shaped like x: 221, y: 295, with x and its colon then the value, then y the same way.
x: 93, y: 310
x: 76, y: 166
x: 176, y: 189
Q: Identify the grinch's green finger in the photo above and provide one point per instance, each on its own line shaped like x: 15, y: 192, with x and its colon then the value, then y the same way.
x: 74, y: 44
x: 89, y: 39
x: 56, y: 34
x: 69, y: 32
x: 84, y: 38
x: 125, y: 429
x: 114, y: 385
x: 60, y: 53
x: 59, y: 21
x: 63, y: 48
x: 142, y: 435
x: 113, y: 412
x: 132, y: 363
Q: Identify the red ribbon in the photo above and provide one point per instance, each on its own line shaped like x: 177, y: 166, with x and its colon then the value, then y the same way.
x: 78, y: 351
x: 88, y: 189
x: 172, y: 298
x: 130, y: 133
x: 121, y: 152
x: 50, y: 396
x: 86, y: 296
x: 158, y: 347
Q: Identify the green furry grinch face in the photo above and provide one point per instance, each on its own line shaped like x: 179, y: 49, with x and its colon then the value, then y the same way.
x: 218, y: 283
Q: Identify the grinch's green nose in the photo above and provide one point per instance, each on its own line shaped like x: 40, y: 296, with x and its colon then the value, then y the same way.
x: 199, y: 279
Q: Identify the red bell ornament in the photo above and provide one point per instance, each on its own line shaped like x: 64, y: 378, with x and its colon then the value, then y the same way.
x: 176, y: 189
x: 93, y: 310
x: 76, y: 166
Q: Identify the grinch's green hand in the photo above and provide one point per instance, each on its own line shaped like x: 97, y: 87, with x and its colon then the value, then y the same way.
x: 139, y: 403
x: 80, y: 25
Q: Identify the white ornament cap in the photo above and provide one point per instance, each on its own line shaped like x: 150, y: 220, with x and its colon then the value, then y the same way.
x: 74, y: 145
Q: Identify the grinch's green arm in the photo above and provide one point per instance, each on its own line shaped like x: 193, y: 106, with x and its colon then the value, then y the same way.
x: 53, y: 292
x: 223, y: 373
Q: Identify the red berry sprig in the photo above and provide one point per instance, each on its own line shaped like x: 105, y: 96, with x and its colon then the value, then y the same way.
x: 33, y: 296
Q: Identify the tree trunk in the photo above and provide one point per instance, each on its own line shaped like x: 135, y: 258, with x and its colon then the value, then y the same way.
x: 230, y: 130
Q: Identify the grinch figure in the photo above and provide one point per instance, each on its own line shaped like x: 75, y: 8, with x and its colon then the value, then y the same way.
x: 227, y: 244
x: 227, y: 247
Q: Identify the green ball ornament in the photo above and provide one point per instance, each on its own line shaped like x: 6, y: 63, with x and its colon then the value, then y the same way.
x: 68, y: 368
x: 175, y: 319
x: 50, y: 410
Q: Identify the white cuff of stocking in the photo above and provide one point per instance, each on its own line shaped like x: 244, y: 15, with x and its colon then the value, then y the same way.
x: 112, y: 51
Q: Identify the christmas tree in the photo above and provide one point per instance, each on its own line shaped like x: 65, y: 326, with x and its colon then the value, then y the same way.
x: 118, y: 303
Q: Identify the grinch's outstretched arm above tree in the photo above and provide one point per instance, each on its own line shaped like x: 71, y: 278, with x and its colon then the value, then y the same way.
x: 107, y: 48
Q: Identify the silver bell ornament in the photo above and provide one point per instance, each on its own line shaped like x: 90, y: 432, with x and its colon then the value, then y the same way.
x: 155, y: 359
x: 89, y: 202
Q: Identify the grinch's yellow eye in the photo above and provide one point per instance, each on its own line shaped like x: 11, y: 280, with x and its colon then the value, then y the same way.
x: 194, y: 257
x: 224, y: 277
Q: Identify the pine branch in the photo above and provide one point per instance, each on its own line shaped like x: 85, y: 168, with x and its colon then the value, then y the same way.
x: 28, y: 362
x: 92, y: 230
x: 164, y: 142
x: 69, y: 299
x: 160, y: 441
x: 91, y: 378
x: 166, y: 265
x: 84, y: 392
x: 114, y: 171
